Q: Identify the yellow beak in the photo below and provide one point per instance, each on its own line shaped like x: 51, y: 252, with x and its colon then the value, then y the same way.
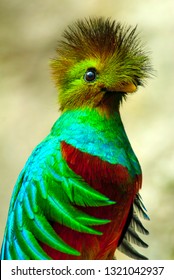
x: 129, y: 87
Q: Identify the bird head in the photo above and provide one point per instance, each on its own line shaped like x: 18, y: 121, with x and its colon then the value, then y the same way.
x: 98, y: 63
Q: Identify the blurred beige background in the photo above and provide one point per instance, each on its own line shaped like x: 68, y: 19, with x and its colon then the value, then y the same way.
x: 29, y: 31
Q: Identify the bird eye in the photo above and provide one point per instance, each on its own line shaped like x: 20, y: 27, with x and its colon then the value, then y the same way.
x: 90, y: 75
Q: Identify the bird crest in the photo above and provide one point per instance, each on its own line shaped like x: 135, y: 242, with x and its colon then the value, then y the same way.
x: 100, y: 53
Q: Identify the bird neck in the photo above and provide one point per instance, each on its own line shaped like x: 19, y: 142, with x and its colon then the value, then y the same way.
x: 100, y: 118
x: 90, y: 131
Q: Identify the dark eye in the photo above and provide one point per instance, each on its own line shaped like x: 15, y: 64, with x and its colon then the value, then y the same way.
x: 90, y: 75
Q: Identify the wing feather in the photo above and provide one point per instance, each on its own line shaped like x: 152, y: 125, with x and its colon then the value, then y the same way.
x: 48, y: 191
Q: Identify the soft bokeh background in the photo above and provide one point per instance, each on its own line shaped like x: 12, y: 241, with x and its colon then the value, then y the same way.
x: 29, y: 31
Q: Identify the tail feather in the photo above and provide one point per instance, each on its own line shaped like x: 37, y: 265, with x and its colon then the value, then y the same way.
x: 130, y: 235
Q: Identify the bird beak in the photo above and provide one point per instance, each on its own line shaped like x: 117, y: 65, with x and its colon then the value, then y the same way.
x: 128, y: 87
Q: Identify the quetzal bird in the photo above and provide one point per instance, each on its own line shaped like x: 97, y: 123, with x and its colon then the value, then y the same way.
x: 77, y: 196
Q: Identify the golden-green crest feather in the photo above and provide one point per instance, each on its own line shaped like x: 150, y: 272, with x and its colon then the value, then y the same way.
x: 113, y: 50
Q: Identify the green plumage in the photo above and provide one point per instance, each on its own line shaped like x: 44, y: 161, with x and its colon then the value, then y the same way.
x: 99, y: 62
